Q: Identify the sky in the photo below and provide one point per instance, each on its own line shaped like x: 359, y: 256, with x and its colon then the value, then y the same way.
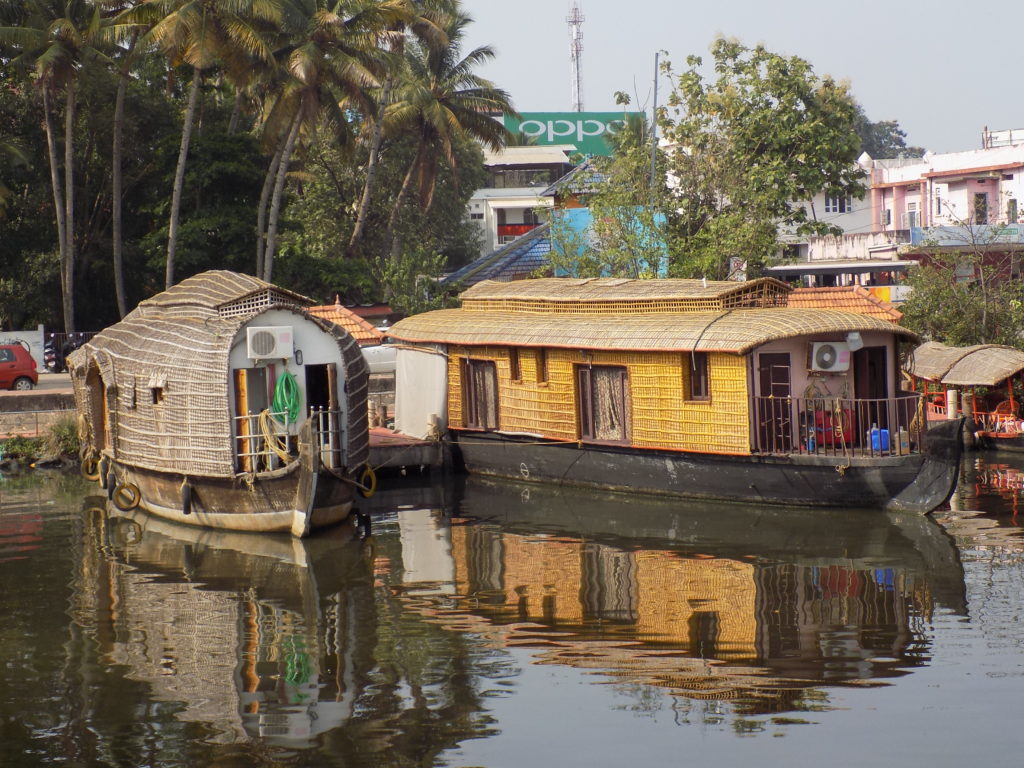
x: 944, y: 70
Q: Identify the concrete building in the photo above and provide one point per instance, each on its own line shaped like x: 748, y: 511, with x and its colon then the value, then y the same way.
x: 914, y: 206
x: 507, y: 207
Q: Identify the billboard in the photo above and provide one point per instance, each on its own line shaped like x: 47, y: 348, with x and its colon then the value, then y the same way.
x: 586, y: 130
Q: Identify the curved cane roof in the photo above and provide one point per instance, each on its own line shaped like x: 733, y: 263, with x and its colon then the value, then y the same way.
x: 981, y: 365
x: 737, y: 331
x: 180, y: 341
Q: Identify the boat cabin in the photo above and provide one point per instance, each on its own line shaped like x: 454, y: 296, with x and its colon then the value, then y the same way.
x: 216, y: 378
x: 682, y: 365
x: 975, y: 381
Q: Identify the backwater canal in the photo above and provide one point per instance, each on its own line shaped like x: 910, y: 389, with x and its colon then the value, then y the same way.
x: 493, y: 624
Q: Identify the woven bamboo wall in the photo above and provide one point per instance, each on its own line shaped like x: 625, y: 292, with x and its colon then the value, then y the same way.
x: 660, y: 415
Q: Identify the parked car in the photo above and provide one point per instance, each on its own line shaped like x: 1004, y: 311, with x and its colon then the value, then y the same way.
x: 17, y: 368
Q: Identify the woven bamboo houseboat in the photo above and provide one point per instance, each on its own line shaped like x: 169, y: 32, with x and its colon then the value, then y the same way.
x: 689, y: 387
x: 976, y: 382
x: 223, y: 402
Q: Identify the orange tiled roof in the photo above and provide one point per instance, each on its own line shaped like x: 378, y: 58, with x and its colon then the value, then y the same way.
x: 848, y: 298
x: 364, y: 333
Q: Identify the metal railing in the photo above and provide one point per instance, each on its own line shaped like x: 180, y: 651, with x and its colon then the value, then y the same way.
x: 827, y: 426
x: 264, y: 443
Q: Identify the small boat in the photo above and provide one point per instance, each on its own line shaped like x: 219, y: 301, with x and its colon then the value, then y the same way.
x: 685, y: 387
x: 222, y: 402
x: 976, y: 381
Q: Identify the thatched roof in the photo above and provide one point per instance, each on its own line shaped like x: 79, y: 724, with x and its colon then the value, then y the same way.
x: 848, y: 298
x: 981, y: 365
x: 180, y: 342
x: 736, y: 331
x: 560, y: 295
x: 226, y: 292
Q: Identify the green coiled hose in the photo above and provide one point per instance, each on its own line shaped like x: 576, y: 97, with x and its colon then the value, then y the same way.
x: 287, y: 398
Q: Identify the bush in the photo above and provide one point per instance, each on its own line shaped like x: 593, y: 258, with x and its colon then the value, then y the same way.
x: 19, y: 447
x: 61, y: 438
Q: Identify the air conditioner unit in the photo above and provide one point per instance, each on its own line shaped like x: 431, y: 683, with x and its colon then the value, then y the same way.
x: 270, y: 342
x: 830, y: 356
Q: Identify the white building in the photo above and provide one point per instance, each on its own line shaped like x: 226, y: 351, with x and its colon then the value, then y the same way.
x: 946, y: 200
x: 507, y: 207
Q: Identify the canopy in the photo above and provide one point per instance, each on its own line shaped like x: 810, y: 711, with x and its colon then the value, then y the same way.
x: 981, y: 365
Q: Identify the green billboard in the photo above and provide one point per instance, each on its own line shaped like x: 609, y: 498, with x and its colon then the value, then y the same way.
x: 585, y: 130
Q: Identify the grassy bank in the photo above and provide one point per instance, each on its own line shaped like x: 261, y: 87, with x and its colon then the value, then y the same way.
x: 59, y: 443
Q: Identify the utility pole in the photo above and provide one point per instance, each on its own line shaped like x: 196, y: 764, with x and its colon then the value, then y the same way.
x: 575, y: 20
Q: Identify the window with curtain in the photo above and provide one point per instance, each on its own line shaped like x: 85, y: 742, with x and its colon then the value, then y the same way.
x: 603, y: 400
x: 480, y: 388
x: 697, y: 381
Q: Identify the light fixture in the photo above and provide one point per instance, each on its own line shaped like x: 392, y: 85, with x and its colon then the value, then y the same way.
x: 854, y: 341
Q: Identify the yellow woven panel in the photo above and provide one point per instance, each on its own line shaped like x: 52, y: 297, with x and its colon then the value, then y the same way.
x: 670, y: 587
x: 660, y: 415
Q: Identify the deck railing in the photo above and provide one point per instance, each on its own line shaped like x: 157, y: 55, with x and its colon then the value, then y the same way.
x: 257, y: 435
x: 832, y: 426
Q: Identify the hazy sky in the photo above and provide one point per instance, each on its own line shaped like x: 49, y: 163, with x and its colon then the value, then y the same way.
x: 943, y: 69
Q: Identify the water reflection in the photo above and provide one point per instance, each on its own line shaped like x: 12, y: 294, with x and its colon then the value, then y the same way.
x: 709, y: 601
x: 221, y: 647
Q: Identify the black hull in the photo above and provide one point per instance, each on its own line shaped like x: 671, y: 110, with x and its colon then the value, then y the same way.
x: 917, y: 482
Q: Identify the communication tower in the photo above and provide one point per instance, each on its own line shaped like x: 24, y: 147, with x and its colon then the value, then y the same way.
x: 575, y: 20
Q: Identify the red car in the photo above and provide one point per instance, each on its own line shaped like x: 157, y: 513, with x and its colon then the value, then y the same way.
x: 17, y: 368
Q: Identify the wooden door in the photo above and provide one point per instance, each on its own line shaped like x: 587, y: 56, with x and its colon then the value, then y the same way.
x: 775, y: 405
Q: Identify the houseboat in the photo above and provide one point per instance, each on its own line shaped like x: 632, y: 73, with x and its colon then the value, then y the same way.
x: 976, y: 381
x: 687, y: 387
x: 222, y: 402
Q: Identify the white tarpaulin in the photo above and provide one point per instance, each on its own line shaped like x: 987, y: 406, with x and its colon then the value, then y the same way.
x: 421, y: 392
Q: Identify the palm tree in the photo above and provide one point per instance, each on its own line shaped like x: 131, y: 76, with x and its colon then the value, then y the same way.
x: 329, y: 71
x: 439, y: 100
x: 203, y: 34
x: 57, y: 37
x: 428, y: 22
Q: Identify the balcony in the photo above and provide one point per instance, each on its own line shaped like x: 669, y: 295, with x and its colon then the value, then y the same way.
x: 839, y: 427
x: 514, y: 230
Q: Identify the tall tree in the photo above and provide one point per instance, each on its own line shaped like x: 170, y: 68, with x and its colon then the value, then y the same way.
x: 203, y: 34
x: 427, y: 23
x: 764, y: 135
x: 438, y: 99
x: 58, y: 37
x: 329, y: 71
x: 884, y: 139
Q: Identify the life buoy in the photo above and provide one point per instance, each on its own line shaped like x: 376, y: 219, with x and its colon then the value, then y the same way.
x: 91, y: 468
x: 127, y: 497
x: 368, y: 482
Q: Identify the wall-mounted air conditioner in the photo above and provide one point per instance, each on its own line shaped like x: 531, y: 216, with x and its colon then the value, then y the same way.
x: 830, y: 356
x: 270, y: 342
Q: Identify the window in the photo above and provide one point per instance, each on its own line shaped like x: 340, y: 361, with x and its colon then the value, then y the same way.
x: 603, y: 400
x: 697, y: 378
x: 980, y: 208
x: 542, y: 366
x: 6, y: 355
x: 515, y: 373
x: 838, y: 204
x: 480, y: 389
x: 938, y: 204
x: 1011, y: 211
x: 888, y: 217
x: 476, y: 216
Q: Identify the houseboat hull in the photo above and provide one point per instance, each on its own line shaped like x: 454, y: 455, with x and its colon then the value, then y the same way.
x: 297, y: 499
x: 917, y: 482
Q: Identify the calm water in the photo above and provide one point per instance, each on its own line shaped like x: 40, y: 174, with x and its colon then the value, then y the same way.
x: 499, y: 624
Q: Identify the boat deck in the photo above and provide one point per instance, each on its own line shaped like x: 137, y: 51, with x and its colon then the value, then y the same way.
x: 393, y: 451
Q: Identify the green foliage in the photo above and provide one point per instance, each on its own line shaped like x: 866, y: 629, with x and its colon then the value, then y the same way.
x: 409, y: 281
x: 965, y: 297
x: 21, y: 448
x: 884, y: 139
x: 61, y: 438
x: 764, y: 135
